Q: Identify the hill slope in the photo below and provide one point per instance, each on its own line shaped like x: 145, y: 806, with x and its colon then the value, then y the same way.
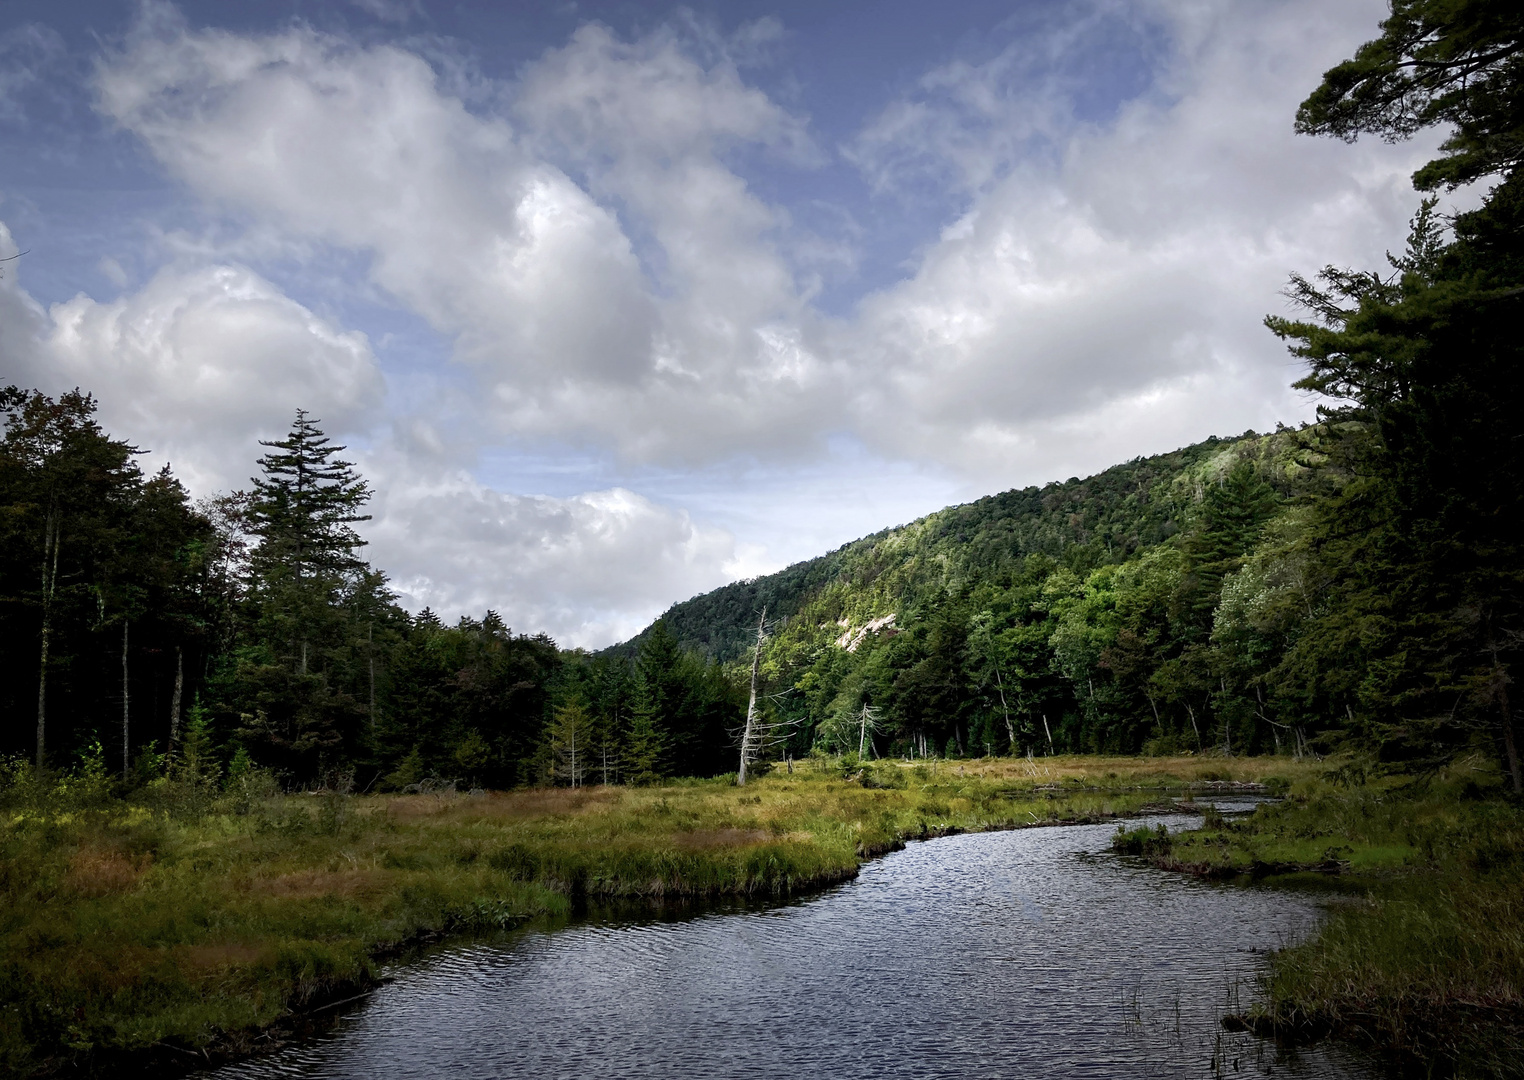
x: 1080, y: 524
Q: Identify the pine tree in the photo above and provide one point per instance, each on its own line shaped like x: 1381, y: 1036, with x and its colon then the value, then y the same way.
x: 305, y: 685
x: 645, y: 747
x: 304, y: 505
x: 571, y: 743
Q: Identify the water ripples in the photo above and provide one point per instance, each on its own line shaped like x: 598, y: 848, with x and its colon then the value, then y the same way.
x: 1031, y: 953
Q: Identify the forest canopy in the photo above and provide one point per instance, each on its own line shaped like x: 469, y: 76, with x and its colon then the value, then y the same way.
x: 1352, y: 583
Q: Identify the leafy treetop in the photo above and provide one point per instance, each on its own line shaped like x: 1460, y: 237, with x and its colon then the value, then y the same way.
x: 1457, y: 62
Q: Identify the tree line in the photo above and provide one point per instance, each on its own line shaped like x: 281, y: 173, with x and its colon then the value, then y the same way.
x: 1355, y: 582
x: 131, y: 614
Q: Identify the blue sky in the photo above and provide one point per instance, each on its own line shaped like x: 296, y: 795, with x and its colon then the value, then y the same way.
x: 616, y: 302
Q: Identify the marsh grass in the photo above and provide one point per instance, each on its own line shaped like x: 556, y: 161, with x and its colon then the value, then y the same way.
x: 182, y: 919
x: 1423, y: 960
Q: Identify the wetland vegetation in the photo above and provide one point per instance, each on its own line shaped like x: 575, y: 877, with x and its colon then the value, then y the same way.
x: 187, y: 916
x: 194, y: 691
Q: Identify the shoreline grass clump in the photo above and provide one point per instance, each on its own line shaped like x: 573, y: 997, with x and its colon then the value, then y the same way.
x: 1422, y: 960
x: 185, y: 919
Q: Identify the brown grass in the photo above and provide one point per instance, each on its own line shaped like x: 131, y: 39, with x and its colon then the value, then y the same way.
x: 709, y: 839
x: 500, y: 805
x: 103, y: 872
x: 311, y: 884
x: 198, y: 960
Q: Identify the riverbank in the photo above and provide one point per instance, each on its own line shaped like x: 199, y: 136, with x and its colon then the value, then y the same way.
x: 1424, y: 963
x: 176, y: 926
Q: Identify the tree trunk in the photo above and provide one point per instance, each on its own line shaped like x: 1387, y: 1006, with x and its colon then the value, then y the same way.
x: 49, y: 582
x: 126, y: 697
x: 370, y: 649
x: 174, y: 699
x: 1049, y: 732
x: 1004, y: 711
x: 749, y: 734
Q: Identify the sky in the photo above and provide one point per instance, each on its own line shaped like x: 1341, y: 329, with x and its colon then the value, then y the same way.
x: 616, y: 302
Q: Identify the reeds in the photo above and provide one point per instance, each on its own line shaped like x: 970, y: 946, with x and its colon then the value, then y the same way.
x: 181, y: 921
x: 1422, y: 959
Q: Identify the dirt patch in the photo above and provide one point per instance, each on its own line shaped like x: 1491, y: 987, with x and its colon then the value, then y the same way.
x: 102, y: 872
x: 206, y: 959
x: 708, y: 839
x: 311, y: 884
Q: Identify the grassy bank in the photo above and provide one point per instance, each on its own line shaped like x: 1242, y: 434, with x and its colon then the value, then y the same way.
x: 182, y: 918
x: 1424, y: 960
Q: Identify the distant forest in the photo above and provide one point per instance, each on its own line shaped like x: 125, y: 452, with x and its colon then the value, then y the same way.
x: 1356, y: 582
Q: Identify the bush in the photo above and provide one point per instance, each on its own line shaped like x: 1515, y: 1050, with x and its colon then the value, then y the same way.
x: 1142, y: 841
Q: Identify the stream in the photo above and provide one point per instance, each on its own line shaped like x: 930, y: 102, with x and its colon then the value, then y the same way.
x: 1034, y: 953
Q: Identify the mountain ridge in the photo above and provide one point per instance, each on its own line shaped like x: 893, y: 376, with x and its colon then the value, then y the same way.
x: 1080, y: 523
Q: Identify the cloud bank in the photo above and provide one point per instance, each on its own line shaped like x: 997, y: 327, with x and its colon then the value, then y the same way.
x: 587, y: 244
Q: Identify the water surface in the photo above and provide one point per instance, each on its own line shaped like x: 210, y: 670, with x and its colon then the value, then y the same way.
x: 1019, y: 954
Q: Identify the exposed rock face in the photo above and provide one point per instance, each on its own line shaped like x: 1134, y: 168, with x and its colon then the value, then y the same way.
x: 851, y: 639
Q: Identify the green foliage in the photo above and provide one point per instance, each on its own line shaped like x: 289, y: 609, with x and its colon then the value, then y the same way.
x: 129, y: 926
x: 1454, y: 62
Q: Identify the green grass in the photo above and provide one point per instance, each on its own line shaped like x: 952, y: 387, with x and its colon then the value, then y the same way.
x: 1423, y: 961
x: 183, y: 917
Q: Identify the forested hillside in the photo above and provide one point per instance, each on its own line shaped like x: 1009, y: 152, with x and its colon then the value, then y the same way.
x: 1358, y: 581
x: 1079, y: 523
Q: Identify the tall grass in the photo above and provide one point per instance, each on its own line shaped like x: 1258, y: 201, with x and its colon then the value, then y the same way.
x: 185, y: 916
x: 1423, y: 961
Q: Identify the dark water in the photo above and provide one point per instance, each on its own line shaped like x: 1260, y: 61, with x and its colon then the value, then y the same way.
x: 1031, y: 953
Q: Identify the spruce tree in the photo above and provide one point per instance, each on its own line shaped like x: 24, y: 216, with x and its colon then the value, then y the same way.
x: 306, y: 683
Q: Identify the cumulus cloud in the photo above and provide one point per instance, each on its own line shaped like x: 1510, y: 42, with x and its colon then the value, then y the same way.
x: 469, y: 224
x: 610, y: 278
x: 1109, y: 302
x: 589, y: 569
x: 196, y: 366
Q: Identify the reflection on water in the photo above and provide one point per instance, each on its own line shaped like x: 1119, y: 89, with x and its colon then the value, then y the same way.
x: 1031, y: 953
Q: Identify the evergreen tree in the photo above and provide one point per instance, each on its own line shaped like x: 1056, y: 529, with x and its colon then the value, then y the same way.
x: 1428, y: 365
x: 302, y: 685
x: 645, y: 749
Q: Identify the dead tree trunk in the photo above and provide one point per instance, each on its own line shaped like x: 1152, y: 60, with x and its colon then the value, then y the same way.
x: 126, y: 699
x: 1004, y: 711
x: 174, y: 699
x: 49, y: 583
x: 750, y: 734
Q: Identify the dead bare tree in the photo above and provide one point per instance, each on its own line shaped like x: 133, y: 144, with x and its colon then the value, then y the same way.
x: 759, y: 734
x: 868, y: 723
x: 750, y: 734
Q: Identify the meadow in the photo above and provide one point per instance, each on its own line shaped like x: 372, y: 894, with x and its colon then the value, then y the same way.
x: 187, y: 922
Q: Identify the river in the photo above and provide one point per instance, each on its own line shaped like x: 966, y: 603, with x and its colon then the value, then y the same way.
x: 1034, y: 953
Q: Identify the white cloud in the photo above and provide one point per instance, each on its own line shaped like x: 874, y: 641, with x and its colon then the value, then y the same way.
x: 1110, y: 303
x: 589, y: 569
x: 197, y: 366
x: 469, y: 225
